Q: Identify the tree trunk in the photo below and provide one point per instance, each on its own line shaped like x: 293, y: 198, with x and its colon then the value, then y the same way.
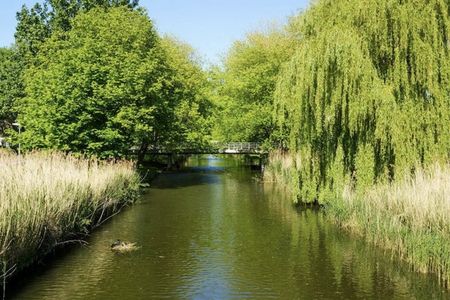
x: 141, y: 152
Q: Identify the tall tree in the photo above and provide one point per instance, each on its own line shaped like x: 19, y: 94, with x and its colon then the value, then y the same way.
x: 98, y: 88
x: 247, y: 83
x: 191, y: 128
x: 366, y: 98
x: 35, y: 25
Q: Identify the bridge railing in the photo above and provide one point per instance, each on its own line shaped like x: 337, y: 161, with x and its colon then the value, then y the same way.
x: 237, y: 147
x: 215, y: 147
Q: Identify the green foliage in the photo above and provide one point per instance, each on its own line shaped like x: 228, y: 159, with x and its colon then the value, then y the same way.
x: 36, y: 24
x: 245, y: 87
x: 63, y: 11
x: 110, y: 83
x: 370, y: 78
x: 190, y: 88
x: 11, y: 87
x: 99, y: 88
x: 32, y: 30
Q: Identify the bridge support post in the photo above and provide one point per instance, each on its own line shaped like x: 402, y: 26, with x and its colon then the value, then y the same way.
x: 169, y: 161
x: 262, y: 162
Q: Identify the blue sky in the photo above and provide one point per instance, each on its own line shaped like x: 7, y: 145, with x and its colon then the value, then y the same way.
x: 210, y: 26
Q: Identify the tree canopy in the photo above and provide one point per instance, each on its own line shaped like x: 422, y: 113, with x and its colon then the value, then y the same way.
x: 365, y: 98
x: 99, y: 88
x: 191, y: 127
x: 36, y: 24
x: 360, y: 90
x: 245, y: 86
x: 110, y: 83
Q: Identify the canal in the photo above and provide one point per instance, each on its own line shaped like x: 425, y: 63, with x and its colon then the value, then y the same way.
x: 213, y: 231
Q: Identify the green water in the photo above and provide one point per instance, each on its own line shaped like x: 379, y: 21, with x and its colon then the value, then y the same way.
x: 211, y: 231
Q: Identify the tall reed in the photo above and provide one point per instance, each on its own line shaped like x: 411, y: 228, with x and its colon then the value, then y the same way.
x: 410, y: 216
x: 49, y: 198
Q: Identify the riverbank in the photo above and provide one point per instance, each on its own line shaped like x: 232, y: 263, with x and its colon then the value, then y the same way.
x: 47, y: 200
x: 409, y: 216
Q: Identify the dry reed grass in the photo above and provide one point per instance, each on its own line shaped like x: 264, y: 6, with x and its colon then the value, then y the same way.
x: 49, y: 198
x: 410, y: 217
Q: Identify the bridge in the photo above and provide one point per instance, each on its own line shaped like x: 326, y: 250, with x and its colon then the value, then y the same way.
x: 251, y: 150
x: 214, y: 148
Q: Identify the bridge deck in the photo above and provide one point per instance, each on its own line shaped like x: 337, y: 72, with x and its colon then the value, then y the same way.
x: 216, y: 148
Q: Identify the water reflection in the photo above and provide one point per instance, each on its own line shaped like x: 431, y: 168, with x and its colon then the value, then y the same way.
x: 213, y: 232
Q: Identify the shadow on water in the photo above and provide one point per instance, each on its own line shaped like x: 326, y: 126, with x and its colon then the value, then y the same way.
x: 212, y: 232
x: 39, y: 269
x: 201, y: 170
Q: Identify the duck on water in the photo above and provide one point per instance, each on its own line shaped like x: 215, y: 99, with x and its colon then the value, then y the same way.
x: 123, y: 247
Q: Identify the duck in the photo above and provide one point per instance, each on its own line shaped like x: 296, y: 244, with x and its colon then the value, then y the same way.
x: 122, y: 247
x: 116, y: 244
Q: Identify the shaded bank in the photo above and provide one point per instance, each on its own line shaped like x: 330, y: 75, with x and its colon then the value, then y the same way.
x: 408, y: 216
x: 48, y: 200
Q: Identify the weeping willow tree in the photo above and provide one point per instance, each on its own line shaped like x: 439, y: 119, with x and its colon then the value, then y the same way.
x: 366, y: 96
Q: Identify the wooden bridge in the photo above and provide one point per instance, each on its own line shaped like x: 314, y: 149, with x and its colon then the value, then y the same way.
x: 213, y: 148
